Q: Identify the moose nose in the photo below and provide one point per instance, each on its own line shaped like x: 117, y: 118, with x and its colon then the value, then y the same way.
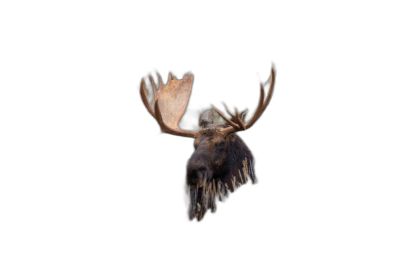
x: 196, y: 174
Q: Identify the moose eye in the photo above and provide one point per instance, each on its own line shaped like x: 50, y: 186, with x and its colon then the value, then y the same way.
x: 222, y: 144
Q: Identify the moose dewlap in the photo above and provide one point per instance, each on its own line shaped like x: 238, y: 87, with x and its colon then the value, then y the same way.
x: 221, y: 161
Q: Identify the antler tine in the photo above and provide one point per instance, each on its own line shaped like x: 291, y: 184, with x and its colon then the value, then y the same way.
x: 165, y: 128
x: 231, y: 123
x: 160, y: 81
x: 236, y: 117
x: 271, y: 81
x: 262, y: 105
x: 227, y: 110
x: 243, y: 114
x: 239, y: 121
x: 144, y: 98
x: 153, y: 85
x: 259, y: 109
x: 263, y: 102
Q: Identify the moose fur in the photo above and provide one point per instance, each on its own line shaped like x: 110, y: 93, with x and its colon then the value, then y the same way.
x: 218, y: 165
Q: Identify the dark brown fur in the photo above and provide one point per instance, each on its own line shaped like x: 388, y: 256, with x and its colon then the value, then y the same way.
x: 219, y: 164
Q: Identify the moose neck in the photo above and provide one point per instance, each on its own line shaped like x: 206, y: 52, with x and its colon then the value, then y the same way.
x: 239, y: 166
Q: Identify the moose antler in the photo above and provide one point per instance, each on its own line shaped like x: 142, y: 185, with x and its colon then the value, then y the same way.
x: 238, y: 124
x: 170, y: 102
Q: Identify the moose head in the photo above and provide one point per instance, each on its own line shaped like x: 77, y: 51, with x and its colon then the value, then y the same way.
x: 221, y: 161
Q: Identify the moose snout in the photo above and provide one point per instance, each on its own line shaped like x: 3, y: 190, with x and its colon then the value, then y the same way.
x: 197, y: 174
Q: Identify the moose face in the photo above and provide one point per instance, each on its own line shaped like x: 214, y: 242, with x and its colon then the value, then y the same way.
x: 208, y: 158
x: 211, y: 146
x: 221, y: 161
x: 206, y: 168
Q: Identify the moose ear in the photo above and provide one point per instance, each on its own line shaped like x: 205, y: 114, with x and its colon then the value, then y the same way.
x: 206, y: 118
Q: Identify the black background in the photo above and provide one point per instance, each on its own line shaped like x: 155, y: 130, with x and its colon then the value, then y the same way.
x: 121, y: 177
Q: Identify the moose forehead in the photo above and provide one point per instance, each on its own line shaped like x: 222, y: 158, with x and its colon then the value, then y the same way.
x: 211, y: 134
